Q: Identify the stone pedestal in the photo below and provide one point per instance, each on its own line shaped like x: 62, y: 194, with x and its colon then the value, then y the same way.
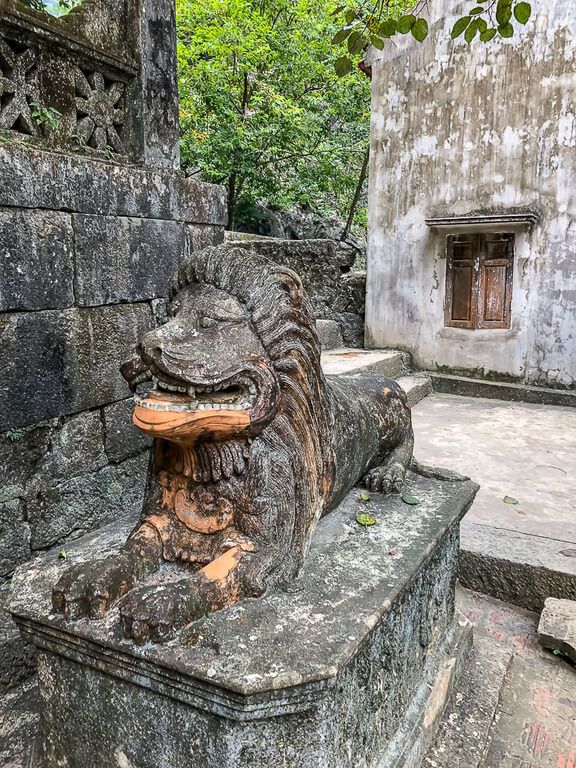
x: 350, y: 668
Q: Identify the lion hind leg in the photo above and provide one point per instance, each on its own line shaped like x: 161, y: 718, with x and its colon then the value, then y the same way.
x: 389, y: 476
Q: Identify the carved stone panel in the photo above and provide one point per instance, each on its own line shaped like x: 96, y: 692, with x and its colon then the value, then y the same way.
x: 18, y: 88
x: 99, y: 110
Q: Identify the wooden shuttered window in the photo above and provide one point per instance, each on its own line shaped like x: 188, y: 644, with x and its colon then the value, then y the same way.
x: 479, y: 273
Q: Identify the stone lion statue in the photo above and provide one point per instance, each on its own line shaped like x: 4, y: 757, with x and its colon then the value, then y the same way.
x: 253, y: 444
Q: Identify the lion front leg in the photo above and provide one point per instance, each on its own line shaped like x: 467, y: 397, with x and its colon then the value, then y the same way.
x: 89, y: 589
x: 156, y: 613
x: 389, y: 476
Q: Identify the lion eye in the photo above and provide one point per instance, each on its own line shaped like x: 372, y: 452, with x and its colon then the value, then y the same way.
x: 208, y: 322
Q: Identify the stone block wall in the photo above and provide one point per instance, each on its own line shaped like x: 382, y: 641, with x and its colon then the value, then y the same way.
x: 87, y: 252
x: 329, y: 274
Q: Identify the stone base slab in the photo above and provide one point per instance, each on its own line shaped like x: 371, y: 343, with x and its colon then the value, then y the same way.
x: 349, y: 668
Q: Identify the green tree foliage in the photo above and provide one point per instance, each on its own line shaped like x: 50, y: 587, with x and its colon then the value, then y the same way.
x: 262, y: 110
x: 372, y: 22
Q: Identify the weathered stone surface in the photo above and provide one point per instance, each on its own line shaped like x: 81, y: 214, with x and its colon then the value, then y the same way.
x: 17, y: 658
x: 326, y: 269
x: 30, y: 178
x: 36, y: 260
x: 557, y: 628
x: 125, y: 259
x: 79, y: 504
x: 122, y: 439
x: 14, y: 536
x: 20, y: 709
x: 347, y: 656
x: 59, y: 362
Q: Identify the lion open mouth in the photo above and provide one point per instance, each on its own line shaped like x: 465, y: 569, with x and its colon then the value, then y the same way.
x: 162, y: 393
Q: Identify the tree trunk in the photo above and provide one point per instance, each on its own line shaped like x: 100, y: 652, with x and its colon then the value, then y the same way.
x: 356, y: 197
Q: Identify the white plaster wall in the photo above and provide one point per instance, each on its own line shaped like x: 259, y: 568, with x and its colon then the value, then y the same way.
x: 491, y: 128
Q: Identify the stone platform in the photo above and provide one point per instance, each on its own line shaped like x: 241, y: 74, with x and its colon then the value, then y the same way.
x: 349, y: 668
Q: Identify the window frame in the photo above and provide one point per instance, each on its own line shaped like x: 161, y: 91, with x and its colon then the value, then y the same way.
x: 479, y: 262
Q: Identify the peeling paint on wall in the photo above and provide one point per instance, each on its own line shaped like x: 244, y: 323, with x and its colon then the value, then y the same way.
x: 490, y: 128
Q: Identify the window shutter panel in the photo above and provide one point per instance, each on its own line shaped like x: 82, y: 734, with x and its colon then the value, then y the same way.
x: 495, y: 281
x: 461, y: 281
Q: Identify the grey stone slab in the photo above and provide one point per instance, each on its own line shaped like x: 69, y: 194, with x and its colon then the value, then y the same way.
x: 82, y: 503
x: 329, y: 334
x: 59, y: 362
x: 36, y: 260
x: 17, y: 658
x: 416, y: 387
x: 14, y: 536
x: 31, y: 178
x: 501, y: 390
x: 557, y: 628
x: 387, y: 362
x: 516, y: 567
x: 353, y: 654
x: 122, y: 439
x: 125, y: 259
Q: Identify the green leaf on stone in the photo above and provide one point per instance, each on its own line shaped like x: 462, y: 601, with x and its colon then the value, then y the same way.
x: 364, y: 496
x: 62, y: 555
x: 510, y: 500
x: 460, y: 26
x: 365, y: 519
x: 409, y: 499
x: 420, y: 30
x: 522, y: 12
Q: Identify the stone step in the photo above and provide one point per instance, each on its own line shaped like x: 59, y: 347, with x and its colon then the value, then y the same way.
x: 388, y: 362
x: 416, y: 386
x: 330, y: 334
x: 463, y: 736
x: 450, y: 384
x: 519, y: 568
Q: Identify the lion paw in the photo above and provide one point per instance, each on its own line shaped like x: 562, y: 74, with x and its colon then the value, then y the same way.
x: 385, y: 479
x: 88, y: 589
x: 154, y: 613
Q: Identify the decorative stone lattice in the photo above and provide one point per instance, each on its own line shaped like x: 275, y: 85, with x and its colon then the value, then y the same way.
x: 18, y: 89
x: 99, y: 111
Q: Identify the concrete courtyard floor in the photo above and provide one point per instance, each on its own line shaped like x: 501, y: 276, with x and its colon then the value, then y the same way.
x: 517, y: 450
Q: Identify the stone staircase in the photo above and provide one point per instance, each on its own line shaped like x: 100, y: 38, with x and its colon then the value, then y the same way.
x: 337, y: 359
x: 514, y: 705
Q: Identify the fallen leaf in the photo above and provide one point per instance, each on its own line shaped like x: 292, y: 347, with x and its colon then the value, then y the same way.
x: 408, y: 499
x: 364, y: 496
x: 510, y: 500
x: 364, y: 519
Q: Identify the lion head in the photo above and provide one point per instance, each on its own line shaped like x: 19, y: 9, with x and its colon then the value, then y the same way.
x: 239, y: 353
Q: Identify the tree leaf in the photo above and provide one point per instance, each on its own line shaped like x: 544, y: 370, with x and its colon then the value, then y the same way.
x: 507, y: 30
x: 350, y: 15
x: 476, y: 11
x: 420, y: 30
x: 522, y: 12
x: 356, y: 42
x: 510, y: 500
x: 470, y: 33
x: 407, y: 498
x: 340, y: 36
x: 487, y: 35
x: 460, y: 26
x: 388, y: 27
x: 503, y: 12
x: 405, y: 23
x: 343, y: 65
x: 365, y: 519
x: 377, y: 42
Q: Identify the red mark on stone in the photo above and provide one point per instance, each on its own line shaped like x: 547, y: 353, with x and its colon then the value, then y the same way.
x: 566, y: 760
x: 392, y: 553
x: 537, y: 739
x: 542, y: 698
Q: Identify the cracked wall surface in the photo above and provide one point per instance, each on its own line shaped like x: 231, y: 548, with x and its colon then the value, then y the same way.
x: 488, y: 129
